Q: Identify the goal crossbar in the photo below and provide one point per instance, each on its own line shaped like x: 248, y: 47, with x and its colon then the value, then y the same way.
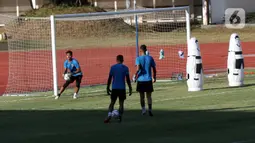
x: 122, y: 12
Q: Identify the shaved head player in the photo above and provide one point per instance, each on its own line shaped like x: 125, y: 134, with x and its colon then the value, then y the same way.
x: 118, y: 72
x: 144, y: 79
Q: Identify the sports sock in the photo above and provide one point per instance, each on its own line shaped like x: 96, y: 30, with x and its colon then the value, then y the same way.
x: 143, y: 109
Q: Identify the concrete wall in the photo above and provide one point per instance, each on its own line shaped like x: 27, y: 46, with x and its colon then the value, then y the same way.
x: 248, y: 5
x: 217, y: 10
x: 219, y: 7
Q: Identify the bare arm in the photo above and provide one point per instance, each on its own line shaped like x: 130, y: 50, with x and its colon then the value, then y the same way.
x: 109, y: 81
x: 65, y: 71
x: 138, y: 67
x: 137, y: 71
x: 128, y: 81
x: 154, y: 73
x: 154, y: 70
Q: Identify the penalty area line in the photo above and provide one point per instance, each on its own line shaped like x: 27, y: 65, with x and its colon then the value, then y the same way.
x: 39, y: 97
x: 26, y: 99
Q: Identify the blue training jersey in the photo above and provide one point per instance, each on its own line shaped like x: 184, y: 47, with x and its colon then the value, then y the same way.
x: 119, y: 73
x: 72, y: 66
x: 146, y: 62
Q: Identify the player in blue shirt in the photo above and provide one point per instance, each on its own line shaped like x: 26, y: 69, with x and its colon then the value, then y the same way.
x: 118, y: 72
x: 72, y: 66
x: 144, y: 79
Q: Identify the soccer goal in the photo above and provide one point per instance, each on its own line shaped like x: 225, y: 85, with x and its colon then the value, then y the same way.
x: 37, y: 45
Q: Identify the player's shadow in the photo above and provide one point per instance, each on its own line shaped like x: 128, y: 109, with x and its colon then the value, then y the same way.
x: 228, y: 87
x: 179, y: 126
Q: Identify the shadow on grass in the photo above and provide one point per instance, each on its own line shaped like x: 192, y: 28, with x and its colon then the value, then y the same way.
x: 227, y: 87
x: 65, y: 126
x: 103, y: 93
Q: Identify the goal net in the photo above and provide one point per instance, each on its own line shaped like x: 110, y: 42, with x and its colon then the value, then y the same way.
x: 37, y: 46
x: 29, y: 55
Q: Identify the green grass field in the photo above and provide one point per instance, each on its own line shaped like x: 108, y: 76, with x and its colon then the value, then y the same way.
x: 216, y: 115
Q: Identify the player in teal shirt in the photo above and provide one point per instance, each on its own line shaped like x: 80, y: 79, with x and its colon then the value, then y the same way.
x: 144, y: 78
x: 72, y: 66
x: 119, y: 73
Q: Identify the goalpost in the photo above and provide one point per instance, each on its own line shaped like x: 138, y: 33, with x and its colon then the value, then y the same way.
x: 38, y: 45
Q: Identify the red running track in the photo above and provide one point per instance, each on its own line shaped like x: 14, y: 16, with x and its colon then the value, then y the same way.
x: 95, y: 64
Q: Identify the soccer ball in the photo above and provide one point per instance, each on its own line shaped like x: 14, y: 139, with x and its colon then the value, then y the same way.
x: 115, y: 113
x: 67, y: 76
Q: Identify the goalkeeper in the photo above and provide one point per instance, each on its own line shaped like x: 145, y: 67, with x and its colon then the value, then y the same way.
x: 72, y: 67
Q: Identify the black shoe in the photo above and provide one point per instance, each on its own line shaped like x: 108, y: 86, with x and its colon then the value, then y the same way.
x: 107, y: 120
x: 119, y: 119
x: 57, y: 97
x: 150, y: 113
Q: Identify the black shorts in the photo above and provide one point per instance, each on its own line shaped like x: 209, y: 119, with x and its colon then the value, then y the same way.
x: 144, y: 86
x: 72, y: 79
x: 121, y: 93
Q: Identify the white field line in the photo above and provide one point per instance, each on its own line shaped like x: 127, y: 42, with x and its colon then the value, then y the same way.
x: 25, y: 99
x: 44, y: 97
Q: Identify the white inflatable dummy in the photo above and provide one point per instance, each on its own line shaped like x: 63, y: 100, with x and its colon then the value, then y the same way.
x: 161, y: 54
x: 235, y: 62
x: 147, y: 52
x: 194, y: 67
